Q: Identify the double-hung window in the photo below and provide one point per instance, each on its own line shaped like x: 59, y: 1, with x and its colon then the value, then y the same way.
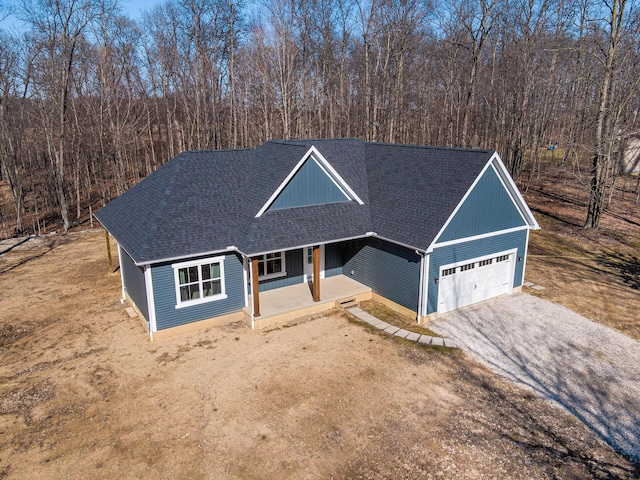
x: 199, y: 281
x: 272, y: 265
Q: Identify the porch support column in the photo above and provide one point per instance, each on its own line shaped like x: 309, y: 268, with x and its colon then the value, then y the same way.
x: 106, y: 236
x: 316, y: 273
x: 255, y: 287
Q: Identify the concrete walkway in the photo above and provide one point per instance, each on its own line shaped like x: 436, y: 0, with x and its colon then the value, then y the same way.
x: 400, y: 332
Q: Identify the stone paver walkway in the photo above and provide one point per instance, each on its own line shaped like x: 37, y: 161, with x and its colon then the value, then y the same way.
x: 400, y: 332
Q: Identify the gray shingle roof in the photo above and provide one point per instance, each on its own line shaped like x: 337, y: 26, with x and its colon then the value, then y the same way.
x: 202, y: 202
x: 413, y: 190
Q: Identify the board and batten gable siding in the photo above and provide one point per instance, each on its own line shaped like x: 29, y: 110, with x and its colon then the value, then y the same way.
x: 164, y: 294
x: 295, y: 272
x: 390, y: 270
x: 134, y: 283
x: 460, y: 252
x: 309, y: 186
x: 488, y: 208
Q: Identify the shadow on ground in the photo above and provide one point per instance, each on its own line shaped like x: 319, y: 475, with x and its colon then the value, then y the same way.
x: 591, y: 371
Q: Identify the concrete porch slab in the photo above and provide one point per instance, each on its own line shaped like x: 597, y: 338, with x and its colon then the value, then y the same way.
x: 287, y: 303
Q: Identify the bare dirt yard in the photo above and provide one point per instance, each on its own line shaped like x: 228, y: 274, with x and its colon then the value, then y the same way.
x: 84, y: 394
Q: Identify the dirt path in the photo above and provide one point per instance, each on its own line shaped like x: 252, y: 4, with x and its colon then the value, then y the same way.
x: 84, y: 394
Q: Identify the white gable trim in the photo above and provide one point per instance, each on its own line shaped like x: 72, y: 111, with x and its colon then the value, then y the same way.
x: 508, y: 189
x: 455, y: 210
x: 480, y: 237
x: 326, y: 168
x: 519, y: 201
x: 335, y: 182
x: 512, y: 190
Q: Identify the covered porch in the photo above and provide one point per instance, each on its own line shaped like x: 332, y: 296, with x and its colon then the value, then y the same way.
x: 283, y: 304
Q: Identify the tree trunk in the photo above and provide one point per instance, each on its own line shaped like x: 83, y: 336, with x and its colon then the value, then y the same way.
x: 602, y: 148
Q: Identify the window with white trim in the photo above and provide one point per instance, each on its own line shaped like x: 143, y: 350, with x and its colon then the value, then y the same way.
x: 199, y: 281
x: 448, y: 271
x: 271, y: 265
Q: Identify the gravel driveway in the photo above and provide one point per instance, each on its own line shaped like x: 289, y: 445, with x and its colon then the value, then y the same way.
x: 590, y: 370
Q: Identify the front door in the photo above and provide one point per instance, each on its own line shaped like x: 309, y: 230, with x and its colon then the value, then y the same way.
x: 307, y: 261
x: 308, y: 264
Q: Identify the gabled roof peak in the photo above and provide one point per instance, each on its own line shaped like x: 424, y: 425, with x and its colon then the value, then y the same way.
x: 341, y: 190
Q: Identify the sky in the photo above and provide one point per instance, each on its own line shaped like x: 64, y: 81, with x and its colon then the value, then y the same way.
x: 131, y: 8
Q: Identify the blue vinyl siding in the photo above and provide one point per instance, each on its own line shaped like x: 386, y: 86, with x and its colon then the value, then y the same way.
x: 309, y: 186
x: 295, y: 272
x: 134, y: 283
x: 332, y: 260
x: 164, y: 291
x: 468, y: 250
x: 488, y: 208
x: 390, y: 270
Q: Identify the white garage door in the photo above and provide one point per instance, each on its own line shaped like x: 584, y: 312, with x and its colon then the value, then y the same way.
x: 475, y: 281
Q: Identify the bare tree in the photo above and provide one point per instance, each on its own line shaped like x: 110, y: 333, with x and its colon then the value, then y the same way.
x: 617, y: 37
x: 57, y: 26
x: 11, y: 166
x: 468, y: 24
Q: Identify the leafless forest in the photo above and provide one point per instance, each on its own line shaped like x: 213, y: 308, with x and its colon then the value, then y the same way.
x: 92, y: 101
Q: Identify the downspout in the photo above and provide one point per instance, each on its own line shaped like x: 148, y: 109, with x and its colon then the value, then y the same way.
x: 247, y: 259
x: 150, y: 301
x: 251, y: 280
x: 420, y: 287
x: 524, y: 258
x: 123, y: 297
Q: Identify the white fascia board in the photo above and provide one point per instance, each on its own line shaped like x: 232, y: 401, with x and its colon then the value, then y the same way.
x: 479, y: 237
x: 333, y: 180
x: 514, y: 201
x: 460, y: 203
x: 326, y: 167
x: 395, y: 242
x: 307, y: 245
x: 512, y: 188
x: 184, y: 257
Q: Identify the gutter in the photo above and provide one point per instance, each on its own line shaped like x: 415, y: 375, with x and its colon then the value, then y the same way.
x: 419, y: 251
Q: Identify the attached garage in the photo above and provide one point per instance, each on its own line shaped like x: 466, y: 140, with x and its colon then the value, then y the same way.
x: 475, y: 280
x: 481, y: 250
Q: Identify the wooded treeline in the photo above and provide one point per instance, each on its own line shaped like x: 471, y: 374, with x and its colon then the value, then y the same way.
x: 92, y: 101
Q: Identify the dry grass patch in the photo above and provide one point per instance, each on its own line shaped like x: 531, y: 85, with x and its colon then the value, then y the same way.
x: 594, y: 273
x: 386, y: 314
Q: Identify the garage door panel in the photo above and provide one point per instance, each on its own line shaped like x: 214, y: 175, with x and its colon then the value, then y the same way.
x: 474, y: 281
